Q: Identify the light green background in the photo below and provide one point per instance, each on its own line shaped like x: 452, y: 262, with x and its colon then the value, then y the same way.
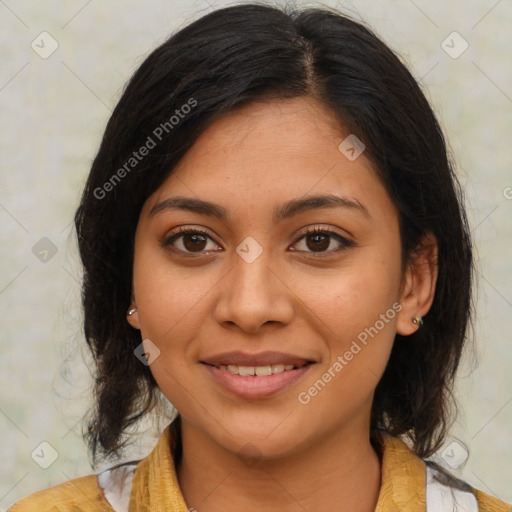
x: 53, y: 112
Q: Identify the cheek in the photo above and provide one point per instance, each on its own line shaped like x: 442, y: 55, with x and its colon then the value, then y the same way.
x: 171, y: 303
x: 165, y: 295
x: 357, y: 318
x: 171, y: 316
x: 356, y: 309
x: 174, y: 302
x: 353, y: 297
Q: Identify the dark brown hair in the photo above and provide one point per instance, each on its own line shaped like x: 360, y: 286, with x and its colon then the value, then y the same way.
x: 229, y: 58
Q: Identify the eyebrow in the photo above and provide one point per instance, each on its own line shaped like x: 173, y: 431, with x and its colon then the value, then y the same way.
x: 285, y: 211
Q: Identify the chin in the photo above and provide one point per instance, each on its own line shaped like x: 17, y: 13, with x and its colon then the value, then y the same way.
x: 256, y: 435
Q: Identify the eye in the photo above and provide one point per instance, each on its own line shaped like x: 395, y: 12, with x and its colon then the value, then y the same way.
x: 316, y: 241
x: 189, y: 240
x: 319, y: 240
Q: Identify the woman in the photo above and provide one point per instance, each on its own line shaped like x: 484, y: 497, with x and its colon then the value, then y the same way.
x: 273, y: 238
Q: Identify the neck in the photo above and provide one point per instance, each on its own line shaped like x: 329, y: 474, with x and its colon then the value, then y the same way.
x: 342, y: 473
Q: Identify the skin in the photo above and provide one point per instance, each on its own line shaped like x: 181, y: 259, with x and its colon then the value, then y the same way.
x: 291, y: 298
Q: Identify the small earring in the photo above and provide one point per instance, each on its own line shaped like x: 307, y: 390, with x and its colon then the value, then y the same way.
x: 132, y: 311
x: 418, y: 320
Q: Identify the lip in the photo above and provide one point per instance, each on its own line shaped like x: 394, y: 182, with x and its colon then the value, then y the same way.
x: 253, y: 387
x: 239, y: 358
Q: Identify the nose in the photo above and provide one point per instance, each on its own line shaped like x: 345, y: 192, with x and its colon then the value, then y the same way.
x: 252, y: 295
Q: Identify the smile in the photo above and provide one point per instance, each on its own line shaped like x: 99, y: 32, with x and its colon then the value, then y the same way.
x: 258, y: 371
x: 256, y: 382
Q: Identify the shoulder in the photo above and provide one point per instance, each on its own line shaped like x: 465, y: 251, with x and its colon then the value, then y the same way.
x: 446, y: 492
x: 77, y: 495
x: 488, y: 503
x: 409, y: 482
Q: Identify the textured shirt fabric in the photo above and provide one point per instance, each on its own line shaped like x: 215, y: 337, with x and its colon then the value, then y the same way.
x: 155, y: 486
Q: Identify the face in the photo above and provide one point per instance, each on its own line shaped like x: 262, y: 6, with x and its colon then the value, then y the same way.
x: 271, y: 314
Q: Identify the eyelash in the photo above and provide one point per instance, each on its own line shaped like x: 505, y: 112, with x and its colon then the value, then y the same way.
x: 182, y: 231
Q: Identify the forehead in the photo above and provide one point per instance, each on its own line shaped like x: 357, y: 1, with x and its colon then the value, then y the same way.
x: 265, y: 152
x: 283, y: 128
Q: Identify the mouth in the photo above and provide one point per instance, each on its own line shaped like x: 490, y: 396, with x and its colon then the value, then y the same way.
x: 254, y: 376
x: 258, y: 371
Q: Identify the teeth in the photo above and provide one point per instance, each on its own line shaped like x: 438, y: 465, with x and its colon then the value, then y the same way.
x: 263, y: 370
x: 256, y: 370
x: 246, y: 370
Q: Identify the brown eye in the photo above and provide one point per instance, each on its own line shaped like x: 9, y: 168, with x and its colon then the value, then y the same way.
x: 318, y: 242
x: 194, y: 242
x: 321, y: 241
x: 190, y: 241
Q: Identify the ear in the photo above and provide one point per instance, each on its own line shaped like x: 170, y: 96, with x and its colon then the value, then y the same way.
x: 419, y: 284
x: 133, y: 319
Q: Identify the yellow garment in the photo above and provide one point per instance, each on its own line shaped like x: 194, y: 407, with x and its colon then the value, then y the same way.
x: 155, y: 486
